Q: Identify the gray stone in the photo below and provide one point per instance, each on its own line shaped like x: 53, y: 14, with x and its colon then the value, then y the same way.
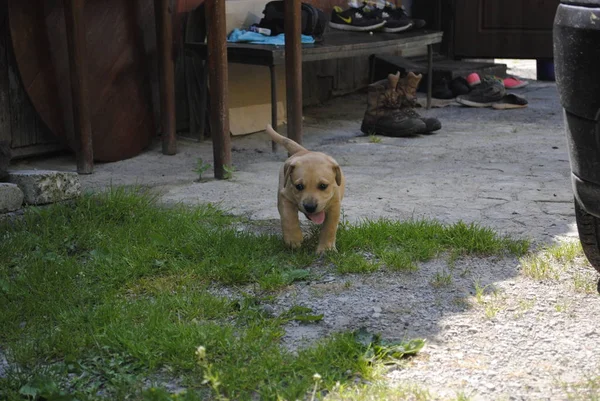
x: 44, y: 186
x: 11, y: 197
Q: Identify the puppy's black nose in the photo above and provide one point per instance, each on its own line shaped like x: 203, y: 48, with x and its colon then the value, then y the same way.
x: 310, y: 207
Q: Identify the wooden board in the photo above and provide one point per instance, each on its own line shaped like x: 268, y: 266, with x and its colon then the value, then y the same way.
x: 121, y: 62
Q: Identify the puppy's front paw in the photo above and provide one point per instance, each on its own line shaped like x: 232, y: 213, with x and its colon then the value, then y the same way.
x: 321, y: 249
x: 293, y: 239
x: 293, y: 244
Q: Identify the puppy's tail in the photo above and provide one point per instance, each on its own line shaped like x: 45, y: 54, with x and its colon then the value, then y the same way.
x: 291, y: 146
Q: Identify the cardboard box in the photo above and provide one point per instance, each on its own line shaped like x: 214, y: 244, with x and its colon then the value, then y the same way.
x: 250, y: 85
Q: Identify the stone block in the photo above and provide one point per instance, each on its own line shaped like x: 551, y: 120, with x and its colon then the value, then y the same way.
x: 44, y: 186
x: 11, y: 197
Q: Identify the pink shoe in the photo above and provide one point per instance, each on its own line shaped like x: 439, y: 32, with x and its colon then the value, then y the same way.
x: 514, y: 83
x: 473, y: 79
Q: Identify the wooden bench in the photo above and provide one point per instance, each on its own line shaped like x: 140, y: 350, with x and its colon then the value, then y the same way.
x: 335, y: 45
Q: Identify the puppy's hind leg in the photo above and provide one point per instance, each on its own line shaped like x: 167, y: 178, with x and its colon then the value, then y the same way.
x: 290, y: 223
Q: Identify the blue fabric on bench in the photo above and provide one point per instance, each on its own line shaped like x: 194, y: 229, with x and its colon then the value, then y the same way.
x: 243, y: 36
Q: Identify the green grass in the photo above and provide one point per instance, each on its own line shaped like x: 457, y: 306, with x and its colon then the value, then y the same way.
x: 109, y: 297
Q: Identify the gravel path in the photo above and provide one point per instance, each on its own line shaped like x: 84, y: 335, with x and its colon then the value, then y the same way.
x: 520, y: 339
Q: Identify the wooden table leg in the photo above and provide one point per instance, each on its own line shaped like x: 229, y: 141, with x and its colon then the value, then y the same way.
x: 166, y: 69
x: 293, y: 68
x: 429, y: 74
x: 74, y: 21
x: 218, y: 81
x: 273, y: 103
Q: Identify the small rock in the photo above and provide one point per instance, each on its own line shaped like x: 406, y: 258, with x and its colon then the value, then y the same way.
x: 269, y: 310
x: 11, y: 197
x: 377, y: 309
x: 376, y: 315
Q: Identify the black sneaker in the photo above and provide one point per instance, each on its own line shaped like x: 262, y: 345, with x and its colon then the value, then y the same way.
x: 459, y: 86
x: 398, y: 13
x: 440, y: 90
x: 393, y: 22
x: 354, y: 19
x: 488, y: 92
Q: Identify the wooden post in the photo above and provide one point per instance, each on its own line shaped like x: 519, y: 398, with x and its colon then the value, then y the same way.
x: 74, y: 21
x: 166, y: 69
x: 293, y: 68
x: 218, y: 83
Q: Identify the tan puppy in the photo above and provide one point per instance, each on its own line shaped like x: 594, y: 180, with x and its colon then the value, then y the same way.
x: 312, y: 183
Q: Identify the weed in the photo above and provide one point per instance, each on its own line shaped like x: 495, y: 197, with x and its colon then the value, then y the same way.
x: 491, y: 310
x: 588, y: 390
x: 524, y: 306
x: 539, y: 267
x: 374, y: 138
x: 562, y: 306
x: 229, y: 170
x: 441, y: 279
x: 201, y: 168
x: 585, y: 282
x: 545, y: 264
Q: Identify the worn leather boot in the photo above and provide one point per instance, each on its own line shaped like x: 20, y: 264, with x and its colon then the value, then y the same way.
x: 384, y: 115
x: 407, y: 92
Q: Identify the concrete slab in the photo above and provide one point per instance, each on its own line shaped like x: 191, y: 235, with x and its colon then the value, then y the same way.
x: 508, y: 170
x: 46, y: 186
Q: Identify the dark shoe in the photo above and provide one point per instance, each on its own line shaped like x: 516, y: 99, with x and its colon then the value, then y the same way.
x: 488, y: 92
x: 398, y: 13
x: 510, y: 101
x: 431, y: 124
x: 394, y: 22
x: 459, y: 86
x: 384, y: 116
x: 354, y: 19
x: 440, y: 90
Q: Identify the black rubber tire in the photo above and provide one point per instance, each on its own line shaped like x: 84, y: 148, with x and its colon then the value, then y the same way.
x: 589, y: 235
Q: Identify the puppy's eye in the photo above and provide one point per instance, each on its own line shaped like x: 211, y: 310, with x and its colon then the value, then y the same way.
x: 323, y: 186
x: 299, y: 187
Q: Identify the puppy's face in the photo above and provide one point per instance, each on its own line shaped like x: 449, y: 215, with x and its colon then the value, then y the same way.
x: 312, y: 180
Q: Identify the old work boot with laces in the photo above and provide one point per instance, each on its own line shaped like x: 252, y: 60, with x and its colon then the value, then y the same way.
x: 384, y: 115
x: 407, y: 89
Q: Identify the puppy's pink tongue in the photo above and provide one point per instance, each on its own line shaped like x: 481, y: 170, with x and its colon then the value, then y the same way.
x: 317, y: 218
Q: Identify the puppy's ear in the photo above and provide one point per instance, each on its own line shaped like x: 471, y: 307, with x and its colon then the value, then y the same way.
x: 338, y: 174
x: 337, y: 170
x: 288, y: 167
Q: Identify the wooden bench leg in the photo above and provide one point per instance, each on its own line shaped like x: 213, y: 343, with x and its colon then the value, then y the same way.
x: 273, y: 103
x: 74, y: 21
x: 293, y: 68
x: 166, y: 68
x: 218, y: 81
x: 429, y: 74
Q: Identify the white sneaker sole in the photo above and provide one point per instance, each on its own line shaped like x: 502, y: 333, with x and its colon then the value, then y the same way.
x: 473, y: 104
x: 345, y: 27
x: 396, y: 30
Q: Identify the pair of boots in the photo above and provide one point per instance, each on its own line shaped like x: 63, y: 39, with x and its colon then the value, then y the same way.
x: 390, y: 108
